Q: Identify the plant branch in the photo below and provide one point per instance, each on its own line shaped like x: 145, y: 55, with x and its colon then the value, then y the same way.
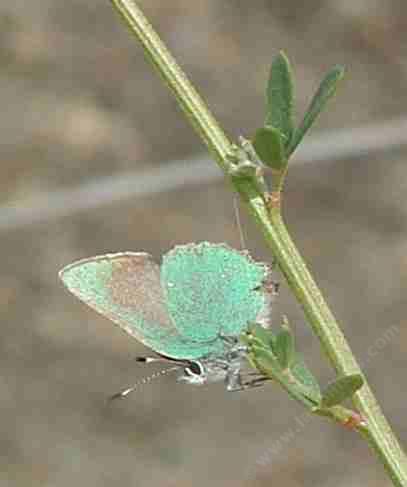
x: 187, y: 97
x: 378, y: 432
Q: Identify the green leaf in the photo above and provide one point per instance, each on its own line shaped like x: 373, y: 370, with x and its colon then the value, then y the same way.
x: 264, y: 336
x: 284, y: 347
x: 268, y: 143
x: 280, y: 97
x: 268, y: 364
x: 265, y: 361
x: 326, y: 90
x: 341, y: 389
x: 305, y: 377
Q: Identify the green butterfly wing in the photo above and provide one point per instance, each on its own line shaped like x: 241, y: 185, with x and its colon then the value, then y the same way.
x: 202, y: 291
x: 126, y: 288
x: 213, y: 289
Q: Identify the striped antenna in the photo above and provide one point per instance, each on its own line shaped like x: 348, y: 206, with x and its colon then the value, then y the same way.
x: 142, y: 382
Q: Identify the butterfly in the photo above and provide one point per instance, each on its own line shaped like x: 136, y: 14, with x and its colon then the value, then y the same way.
x: 191, y: 310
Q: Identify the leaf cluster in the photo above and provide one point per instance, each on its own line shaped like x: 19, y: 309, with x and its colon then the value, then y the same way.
x: 275, y: 356
x: 276, y: 141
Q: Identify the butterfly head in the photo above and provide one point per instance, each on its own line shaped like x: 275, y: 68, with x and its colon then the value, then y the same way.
x: 193, y: 373
x: 208, y: 370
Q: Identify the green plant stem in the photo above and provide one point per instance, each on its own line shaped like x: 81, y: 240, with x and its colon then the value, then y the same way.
x: 187, y: 97
x: 378, y: 432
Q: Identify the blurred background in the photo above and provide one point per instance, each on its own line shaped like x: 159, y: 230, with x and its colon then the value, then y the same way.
x: 96, y: 157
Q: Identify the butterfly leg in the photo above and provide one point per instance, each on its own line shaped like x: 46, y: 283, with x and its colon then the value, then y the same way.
x: 233, y: 380
x: 257, y: 382
x: 236, y: 383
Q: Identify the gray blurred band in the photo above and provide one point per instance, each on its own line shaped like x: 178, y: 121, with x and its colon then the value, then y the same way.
x: 330, y: 146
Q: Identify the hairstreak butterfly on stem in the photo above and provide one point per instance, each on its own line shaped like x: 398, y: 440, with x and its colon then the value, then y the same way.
x: 191, y: 310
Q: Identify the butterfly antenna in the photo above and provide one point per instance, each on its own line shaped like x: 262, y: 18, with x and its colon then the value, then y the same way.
x: 151, y: 360
x: 239, y: 223
x: 142, y: 382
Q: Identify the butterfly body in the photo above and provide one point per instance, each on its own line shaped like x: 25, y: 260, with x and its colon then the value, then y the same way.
x: 192, y: 309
